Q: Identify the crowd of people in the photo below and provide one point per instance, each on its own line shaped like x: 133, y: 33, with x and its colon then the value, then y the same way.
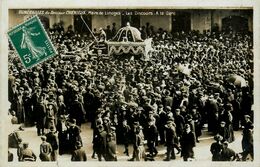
x: 184, y: 87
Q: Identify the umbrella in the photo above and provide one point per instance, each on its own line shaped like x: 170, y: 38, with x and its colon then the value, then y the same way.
x: 237, y: 80
x: 184, y: 69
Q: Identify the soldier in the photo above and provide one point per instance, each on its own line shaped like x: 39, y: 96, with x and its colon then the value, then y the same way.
x: 45, y: 150
x: 78, y: 154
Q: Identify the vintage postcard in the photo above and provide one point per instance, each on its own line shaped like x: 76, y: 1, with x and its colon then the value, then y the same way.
x: 140, y: 84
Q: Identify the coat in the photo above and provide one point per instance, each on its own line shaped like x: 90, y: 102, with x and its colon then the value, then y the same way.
x: 152, y: 133
x: 28, y: 155
x: 111, y: 151
x: 170, y: 136
x: 74, y: 136
x: 223, y: 131
x: 77, y: 112
x: 79, y: 155
x: 215, y: 150
x: 41, y: 115
x: 45, y: 151
x: 187, y: 143
x: 227, y: 154
x: 53, y: 140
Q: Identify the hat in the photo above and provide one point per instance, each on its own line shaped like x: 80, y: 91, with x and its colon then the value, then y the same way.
x: 225, y: 143
x: 100, y: 127
x: 113, y: 128
x: 52, y: 129
x: 105, y: 119
x: 218, y: 137
x: 168, y: 108
x: 25, y: 144
x: 43, y: 138
x: 73, y: 121
x: 187, y: 126
x: 136, y: 123
x: 78, y: 144
x: 169, y: 121
x: 140, y: 108
x: 222, y: 122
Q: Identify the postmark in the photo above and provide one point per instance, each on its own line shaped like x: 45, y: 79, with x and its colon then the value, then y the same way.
x: 31, y: 42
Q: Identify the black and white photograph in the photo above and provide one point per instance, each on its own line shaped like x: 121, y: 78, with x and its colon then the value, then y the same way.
x: 134, y: 84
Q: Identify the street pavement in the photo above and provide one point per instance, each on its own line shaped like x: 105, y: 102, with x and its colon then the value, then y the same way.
x: 201, y: 151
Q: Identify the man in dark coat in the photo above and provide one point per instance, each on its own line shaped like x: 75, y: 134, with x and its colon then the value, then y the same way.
x: 187, y: 143
x: 216, y: 148
x: 79, y: 154
x: 211, y: 107
x: 162, y: 119
x: 40, y: 111
x: 152, y: 135
x: 223, y: 131
x: 126, y: 135
x: 77, y: 111
x: 74, y: 134
x: 247, y: 140
x: 227, y: 154
x: 170, y: 140
x: 52, y: 138
x: 179, y: 122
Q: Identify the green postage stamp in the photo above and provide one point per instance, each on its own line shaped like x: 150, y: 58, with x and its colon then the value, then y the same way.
x: 31, y: 42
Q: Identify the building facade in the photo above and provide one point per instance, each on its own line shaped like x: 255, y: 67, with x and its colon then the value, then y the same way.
x: 170, y: 20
